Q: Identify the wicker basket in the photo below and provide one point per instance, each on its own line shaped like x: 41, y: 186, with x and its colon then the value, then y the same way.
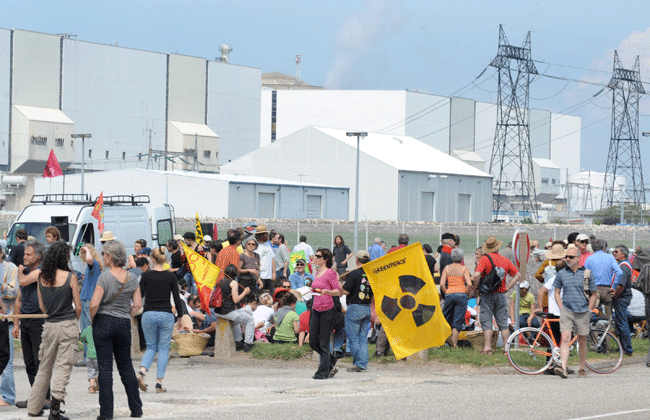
x: 477, y: 339
x: 190, y: 344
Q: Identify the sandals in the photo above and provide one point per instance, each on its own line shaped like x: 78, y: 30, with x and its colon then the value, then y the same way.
x: 582, y: 373
x: 488, y: 352
x: 141, y: 383
x: 93, y: 389
x: 159, y: 388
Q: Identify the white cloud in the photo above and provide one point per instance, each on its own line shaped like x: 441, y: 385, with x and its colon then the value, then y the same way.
x: 358, y: 35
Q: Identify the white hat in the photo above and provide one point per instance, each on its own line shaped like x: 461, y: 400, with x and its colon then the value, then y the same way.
x: 207, y: 238
x: 524, y: 285
x: 582, y: 237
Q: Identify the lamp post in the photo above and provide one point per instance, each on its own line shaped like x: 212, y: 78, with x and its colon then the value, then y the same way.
x: 83, y: 138
x: 302, y: 196
x: 358, y: 135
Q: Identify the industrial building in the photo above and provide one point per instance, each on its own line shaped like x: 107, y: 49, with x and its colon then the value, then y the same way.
x: 130, y: 101
x: 401, y: 178
x: 212, y: 195
x: 453, y: 125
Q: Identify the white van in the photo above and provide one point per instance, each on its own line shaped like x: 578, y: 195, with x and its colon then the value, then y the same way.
x: 124, y: 215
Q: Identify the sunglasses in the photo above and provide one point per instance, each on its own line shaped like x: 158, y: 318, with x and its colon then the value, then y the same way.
x: 584, y: 242
x: 300, y: 265
x: 570, y: 257
x: 319, y: 256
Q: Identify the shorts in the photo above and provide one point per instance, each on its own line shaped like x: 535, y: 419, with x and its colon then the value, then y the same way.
x: 579, y: 320
x: 494, y: 305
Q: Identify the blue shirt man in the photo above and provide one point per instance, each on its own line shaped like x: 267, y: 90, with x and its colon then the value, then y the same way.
x: 376, y: 250
x: 603, y: 266
x: 299, y: 276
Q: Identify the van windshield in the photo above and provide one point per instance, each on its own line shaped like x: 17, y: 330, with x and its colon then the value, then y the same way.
x: 37, y: 230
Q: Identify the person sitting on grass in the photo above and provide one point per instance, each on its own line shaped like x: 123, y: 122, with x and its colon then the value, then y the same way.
x: 263, y: 315
x: 286, y: 320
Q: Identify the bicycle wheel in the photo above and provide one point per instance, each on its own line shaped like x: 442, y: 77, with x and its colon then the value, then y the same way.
x: 604, y: 351
x: 533, y: 354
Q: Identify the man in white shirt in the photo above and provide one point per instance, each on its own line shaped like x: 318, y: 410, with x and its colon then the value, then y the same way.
x: 304, y: 246
x: 265, y: 251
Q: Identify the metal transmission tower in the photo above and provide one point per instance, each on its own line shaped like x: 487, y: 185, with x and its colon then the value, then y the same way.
x: 624, y: 158
x: 511, y: 164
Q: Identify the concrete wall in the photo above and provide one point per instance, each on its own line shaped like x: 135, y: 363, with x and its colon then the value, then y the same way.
x: 5, y: 84
x: 234, y: 97
x: 117, y: 95
x: 565, y: 143
x: 187, y: 84
x: 427, y: 119
x: 37, y: 63
x: 462, y: 124
x: 540, y: 134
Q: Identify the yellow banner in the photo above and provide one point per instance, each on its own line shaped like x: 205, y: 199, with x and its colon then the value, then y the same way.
x: 407, y: 301
x: 205, y: 274
x: 199, y: 231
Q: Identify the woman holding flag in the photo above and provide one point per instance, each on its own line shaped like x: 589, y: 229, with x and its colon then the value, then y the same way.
x: 321, y: 323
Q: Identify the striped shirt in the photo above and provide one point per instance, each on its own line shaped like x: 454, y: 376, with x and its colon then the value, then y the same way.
x: 571, y: 284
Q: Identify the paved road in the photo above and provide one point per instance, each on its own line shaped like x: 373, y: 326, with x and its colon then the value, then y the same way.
x: 243, y: 388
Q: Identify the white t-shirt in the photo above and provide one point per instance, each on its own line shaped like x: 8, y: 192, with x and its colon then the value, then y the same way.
x: 263, y: 314
x: 265, y: 251
x: 303, y: 246
x: 637, y: 304
x: 552, y: 304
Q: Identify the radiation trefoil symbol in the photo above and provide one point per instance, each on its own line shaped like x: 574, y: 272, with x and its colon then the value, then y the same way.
x: 410, y: 286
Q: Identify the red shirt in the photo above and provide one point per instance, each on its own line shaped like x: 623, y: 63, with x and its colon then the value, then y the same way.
x: 484, y: 268
x: 225, y: 257
x: 583, y: 258
x: 395, y: 248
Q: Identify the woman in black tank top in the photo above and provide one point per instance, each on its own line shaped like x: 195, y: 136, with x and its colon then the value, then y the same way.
x: 57, y: 290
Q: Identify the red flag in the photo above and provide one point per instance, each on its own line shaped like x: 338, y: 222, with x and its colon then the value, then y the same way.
x: 52, y: 167
x: 98, y: 212
x: 215, y: 234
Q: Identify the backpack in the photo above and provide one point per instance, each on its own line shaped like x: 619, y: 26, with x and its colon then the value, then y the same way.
x: 216, y: 299
x: 492, y: 281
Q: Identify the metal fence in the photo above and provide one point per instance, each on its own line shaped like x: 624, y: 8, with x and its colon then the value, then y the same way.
x: 321, y: 233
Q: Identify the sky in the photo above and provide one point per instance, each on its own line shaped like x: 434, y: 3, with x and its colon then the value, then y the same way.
x: 438, y: 47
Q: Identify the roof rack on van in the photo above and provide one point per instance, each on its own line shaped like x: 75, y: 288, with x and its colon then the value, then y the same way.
x: 126, y: 199
x: 110, y: 200
x: 61, y: 198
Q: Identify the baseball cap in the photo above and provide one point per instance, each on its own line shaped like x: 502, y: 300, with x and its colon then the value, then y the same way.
x: 363, y: 256
x: 582, y: 237
x: 524, y: 285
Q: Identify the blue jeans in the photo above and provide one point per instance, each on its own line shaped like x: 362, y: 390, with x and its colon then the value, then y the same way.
x: 622, y: 327
x: 191, y: 285
x: 523, y: 321
x: 158, y: 328
x: 455, y: 309
x: 84, y: 320
x: 339, y: 339
x: 7, y: 384
x: 357, y: 324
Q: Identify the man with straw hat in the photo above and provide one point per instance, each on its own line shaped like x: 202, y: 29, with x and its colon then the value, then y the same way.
x: 494, y: 305
x: 547, y: 269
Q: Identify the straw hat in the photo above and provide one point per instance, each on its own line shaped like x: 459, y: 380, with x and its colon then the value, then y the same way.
x: 491, y: 244
x: 107, y: 235
x: 557, y: 252
x: 261, y: 229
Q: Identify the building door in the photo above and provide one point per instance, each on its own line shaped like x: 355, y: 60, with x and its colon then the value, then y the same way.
x: 463, y: 207
x: 314, y: 207
x: 266, y: 205
x: 426, y: 207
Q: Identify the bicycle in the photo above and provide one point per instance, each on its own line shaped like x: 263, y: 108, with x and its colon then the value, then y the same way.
x: 532, y: 350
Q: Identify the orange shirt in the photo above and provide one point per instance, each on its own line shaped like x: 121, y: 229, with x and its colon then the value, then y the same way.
x: 455, y: 278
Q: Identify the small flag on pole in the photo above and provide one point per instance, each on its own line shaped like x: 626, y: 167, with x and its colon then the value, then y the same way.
x: 98, y: 212
x: 199, y: 231
x: 52, y: 167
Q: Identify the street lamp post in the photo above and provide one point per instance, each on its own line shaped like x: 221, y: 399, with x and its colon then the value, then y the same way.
x: 302, y: 196
x: 358, y: 135
x: 83, y: 138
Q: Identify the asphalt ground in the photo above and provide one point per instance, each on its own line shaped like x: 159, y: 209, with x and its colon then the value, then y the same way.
x: 244, y: 388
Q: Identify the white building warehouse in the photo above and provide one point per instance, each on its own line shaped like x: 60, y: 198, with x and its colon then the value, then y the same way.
x: 401, y: 178
x: 212, y: 195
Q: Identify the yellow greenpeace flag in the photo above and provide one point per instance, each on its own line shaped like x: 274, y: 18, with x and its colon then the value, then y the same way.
x: 205, y: 274
x: 407, y: 301
x: 199, y: 231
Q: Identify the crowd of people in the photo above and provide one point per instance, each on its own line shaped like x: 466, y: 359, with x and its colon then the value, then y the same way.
x: 317, y: 299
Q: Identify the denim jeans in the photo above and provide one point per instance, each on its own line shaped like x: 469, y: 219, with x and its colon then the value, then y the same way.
x: 622, y: 327
x: 321, y: 325
x: 357, y: 324
x: 191, y: 285
x: 158, y: 328
x: 7, y: 384
x: 112, y: 337
x: 84, y: 320
x: 339, y: 339
x: 240, y: 317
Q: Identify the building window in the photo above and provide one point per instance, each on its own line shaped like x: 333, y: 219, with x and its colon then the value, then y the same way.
x: 90, y: 153
x: 123, y: 155
x: 553, y: 181
x: 107, y: 154
x: 544, y: 180
x: 58, y: 142
x: 274, y: 111
x: 39, y: 140
x: 206, y: 153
